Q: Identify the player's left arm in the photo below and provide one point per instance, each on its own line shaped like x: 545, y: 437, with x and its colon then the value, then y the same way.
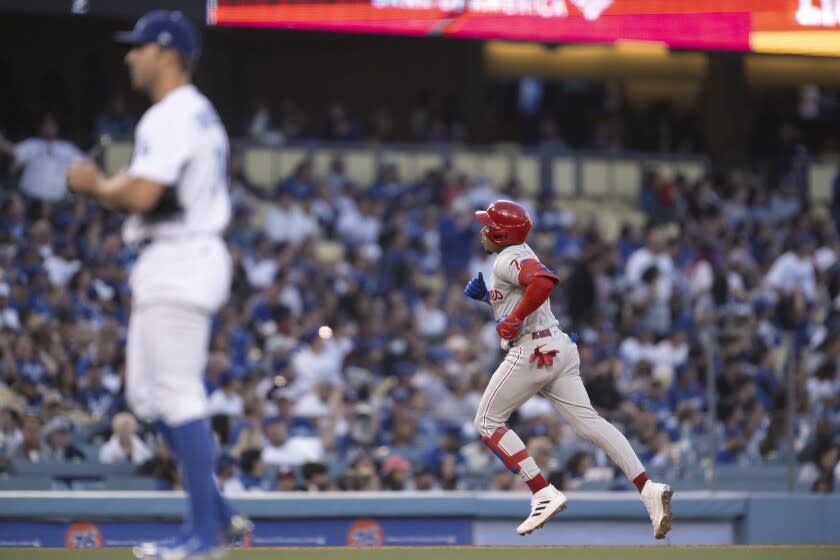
x: 121, y: 191
x: 162, y: 149
x: 538, y: 281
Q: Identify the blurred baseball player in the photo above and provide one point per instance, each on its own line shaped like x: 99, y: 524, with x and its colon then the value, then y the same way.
x: 176, y: 192
x: 541, y: 359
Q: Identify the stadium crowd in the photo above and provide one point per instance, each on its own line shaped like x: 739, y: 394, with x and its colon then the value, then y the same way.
x: 348, y: 357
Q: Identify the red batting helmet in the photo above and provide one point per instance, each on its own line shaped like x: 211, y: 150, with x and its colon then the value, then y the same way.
x: 509, y: 223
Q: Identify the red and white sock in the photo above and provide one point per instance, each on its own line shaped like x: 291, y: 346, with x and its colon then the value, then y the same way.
x: 640, y: 481
x: 511, y: 450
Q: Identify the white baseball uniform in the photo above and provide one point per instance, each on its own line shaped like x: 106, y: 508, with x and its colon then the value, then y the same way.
x: 183, y: 274
x: 518, y: 378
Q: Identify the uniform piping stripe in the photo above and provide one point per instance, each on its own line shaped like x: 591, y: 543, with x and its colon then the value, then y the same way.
x: 496, y: 390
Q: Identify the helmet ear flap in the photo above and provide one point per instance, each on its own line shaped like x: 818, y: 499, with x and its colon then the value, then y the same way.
x: 496, y: 235
x: 509, y: 222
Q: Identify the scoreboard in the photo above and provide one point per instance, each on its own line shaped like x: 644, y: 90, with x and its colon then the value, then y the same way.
x: 784, y: 26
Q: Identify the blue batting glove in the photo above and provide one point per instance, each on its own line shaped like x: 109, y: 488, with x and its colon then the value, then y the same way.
x: 477, y: 290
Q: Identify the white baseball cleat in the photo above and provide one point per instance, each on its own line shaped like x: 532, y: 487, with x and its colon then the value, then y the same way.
x: 544, y: 504
x: 237, y: 529
x: 190, y: 549
x: 657, y: 500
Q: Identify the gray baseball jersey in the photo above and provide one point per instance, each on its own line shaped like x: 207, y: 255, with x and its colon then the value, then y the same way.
x: 512, y: 269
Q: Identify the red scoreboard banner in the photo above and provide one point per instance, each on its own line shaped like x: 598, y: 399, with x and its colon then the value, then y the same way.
x: 796, y: 26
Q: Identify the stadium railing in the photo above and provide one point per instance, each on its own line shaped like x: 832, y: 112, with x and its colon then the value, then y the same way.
x: 588, y: 174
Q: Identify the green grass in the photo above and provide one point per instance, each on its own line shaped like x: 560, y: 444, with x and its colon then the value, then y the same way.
x: 470, y: 553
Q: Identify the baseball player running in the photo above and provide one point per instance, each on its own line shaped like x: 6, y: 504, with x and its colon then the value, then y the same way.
x: 176, y: 192
x: 542, y: 359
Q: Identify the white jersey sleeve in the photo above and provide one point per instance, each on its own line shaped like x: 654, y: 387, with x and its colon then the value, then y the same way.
x: 162, y: 148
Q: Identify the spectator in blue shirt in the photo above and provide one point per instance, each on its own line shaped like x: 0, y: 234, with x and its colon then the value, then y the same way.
x: 449, y: 446
x: 94, y: 396
x: 116, y: 122
x: 734, y: 437
x: 58, y: 447
x: 301, y: 183
x: 686, y: 391
x: 457, y: 235
x: 251, y: 469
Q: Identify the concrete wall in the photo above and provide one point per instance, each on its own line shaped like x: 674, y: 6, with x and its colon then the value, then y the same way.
x: 480, y: 518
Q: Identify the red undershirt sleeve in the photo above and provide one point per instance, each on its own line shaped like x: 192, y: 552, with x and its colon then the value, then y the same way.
x: 537, y: 291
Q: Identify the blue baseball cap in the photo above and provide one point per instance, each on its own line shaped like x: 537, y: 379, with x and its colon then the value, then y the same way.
x: 170, y: 29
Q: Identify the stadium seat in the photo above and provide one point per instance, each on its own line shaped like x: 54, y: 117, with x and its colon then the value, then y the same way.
x: 286, y: 160
x: 403, y: 160
x: 336, y: 468
x: 563, y: 179
x: 691, y: 169
x: 259, y: 167
x: 526, y: 169
x: 21, y: 483
x: 58, y: 469
x: 466, y: 162
x: 130, y: 483
x: 690, y: 484
x: 361, y: 166
x: 627, y: 180
x: 595, y: 485
x: 117, y: 156
x: 766, y: 472
x: 752, y: 478
x: 496, y: 167
x: 595, y: 177
x: 820, y: 178
x: 425, y: 162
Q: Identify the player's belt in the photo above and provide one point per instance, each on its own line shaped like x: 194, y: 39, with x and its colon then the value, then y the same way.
x: 541, y: 334
x: 150, y: 239
x: 534, y: 336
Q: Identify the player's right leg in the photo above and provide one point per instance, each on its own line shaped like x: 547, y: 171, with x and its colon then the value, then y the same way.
x: 511, y: 385
x: 236, y: 526
x: 174, y: 341
x: 569, y: 397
